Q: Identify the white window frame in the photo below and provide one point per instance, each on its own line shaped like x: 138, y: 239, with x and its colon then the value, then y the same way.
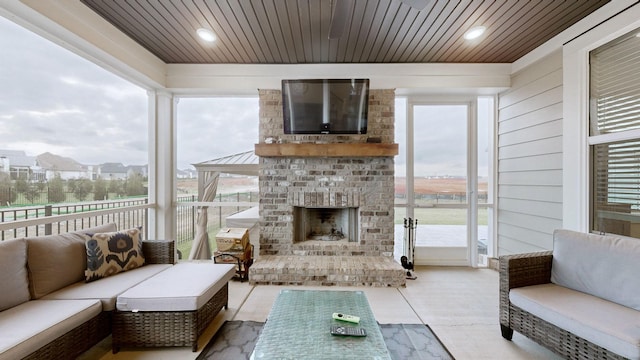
x: 576, y: 166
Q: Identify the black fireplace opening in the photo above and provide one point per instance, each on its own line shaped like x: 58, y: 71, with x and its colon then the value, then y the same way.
x: 325, y: 224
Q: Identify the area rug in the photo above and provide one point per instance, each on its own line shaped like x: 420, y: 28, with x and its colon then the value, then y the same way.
x: 236, y: 339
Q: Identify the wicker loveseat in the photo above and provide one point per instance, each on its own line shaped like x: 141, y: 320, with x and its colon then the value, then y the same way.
x: 47, y: 310
x: 581, y: 300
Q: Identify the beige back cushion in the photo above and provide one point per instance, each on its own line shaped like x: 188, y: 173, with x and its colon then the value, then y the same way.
x: 55, y: 261
x: 606, y: 266
x: 14, y: 281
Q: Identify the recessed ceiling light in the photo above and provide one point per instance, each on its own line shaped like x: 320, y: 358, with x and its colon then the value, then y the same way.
x: 475, y: 32
x: 206, y: 35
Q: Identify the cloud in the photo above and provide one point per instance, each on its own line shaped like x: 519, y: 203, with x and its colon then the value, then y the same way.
x: 53, y: 100
x: 209, y: 128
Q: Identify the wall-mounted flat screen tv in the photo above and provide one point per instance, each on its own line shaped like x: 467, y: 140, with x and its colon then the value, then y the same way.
x: 325, y: 106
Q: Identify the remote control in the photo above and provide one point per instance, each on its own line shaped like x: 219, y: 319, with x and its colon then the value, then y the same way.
x: 345, y: 317
x: 348, y: 331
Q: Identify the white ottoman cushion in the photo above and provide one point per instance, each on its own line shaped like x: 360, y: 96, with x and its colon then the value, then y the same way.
x: 185, y: 286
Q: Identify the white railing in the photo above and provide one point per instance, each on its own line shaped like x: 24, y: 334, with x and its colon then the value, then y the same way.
x: 36, y: 221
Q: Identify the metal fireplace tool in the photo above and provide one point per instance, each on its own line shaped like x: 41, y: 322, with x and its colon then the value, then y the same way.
x: 406, y: 260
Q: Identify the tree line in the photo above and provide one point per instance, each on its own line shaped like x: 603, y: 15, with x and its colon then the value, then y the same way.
x: 57, y: 190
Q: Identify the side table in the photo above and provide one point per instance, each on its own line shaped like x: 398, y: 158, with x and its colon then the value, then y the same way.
x: 244, y: 260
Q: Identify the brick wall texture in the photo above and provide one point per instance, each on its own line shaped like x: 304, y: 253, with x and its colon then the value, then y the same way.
x: 363, y: 182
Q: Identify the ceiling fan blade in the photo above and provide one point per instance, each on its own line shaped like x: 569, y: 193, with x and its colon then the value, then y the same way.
x: 417, y: 4
x: 339, y: 18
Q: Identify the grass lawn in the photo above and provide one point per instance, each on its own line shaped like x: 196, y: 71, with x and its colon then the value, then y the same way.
x: 185, y: 246
x: 440, y: 216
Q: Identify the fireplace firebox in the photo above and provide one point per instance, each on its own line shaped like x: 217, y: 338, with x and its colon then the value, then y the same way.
x: 325, y: 224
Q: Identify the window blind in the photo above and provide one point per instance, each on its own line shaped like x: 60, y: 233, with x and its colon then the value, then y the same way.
x: 615, y: 86
x: 617, y: 173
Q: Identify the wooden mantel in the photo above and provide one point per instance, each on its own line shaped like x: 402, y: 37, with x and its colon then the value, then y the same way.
x: 327, y: 150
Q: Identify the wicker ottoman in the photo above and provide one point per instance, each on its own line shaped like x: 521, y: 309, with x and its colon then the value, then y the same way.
x: 173, y: 307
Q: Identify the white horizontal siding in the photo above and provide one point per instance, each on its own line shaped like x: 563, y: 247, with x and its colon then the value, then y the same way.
x: 533, y: 103
x: 533, y: 133
x: 517, y: 240
x: 529, y: 192
x: 530, y: 158
x: 532, y: 178
x: 534, y: 162
x: 532, y: 148
x: 515, y: 219
x: 516, y: 246
x: 534, y: 71
x: 542, y: 85
x: 546, y: 209
x: 540, y: 116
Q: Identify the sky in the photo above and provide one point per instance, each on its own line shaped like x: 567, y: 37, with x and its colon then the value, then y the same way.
x: 53, y: 100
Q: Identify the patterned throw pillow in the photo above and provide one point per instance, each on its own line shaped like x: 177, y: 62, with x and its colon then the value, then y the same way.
x: 113, y: 252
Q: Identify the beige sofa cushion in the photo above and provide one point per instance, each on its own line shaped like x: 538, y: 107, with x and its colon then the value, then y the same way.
x: 107, y: 289
x: 30, y: 326
x: 14, y: 281
x: 606, y: 266
x: 55, y: 261
x: 604, y: 323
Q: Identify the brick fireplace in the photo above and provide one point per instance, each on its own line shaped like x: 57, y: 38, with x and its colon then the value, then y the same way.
x: 326, y: 202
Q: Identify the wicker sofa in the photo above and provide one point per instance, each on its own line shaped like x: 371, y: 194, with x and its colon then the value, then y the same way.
x: 581, y: 300
x: 47, y: 310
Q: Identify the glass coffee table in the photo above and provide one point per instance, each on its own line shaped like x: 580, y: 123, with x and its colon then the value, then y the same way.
x: 298, y: 327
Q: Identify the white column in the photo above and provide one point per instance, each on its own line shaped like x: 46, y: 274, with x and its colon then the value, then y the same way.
x: 472, y: 181
x: 162, y: 164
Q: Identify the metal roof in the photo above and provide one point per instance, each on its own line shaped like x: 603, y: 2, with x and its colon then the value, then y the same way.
x: 244, y: 163
x: 18, y: 158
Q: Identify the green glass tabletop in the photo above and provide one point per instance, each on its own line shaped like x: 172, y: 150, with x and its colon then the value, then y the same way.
x: 298, y: 327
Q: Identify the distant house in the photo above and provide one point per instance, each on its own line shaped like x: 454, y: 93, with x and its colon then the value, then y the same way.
x: 118, y: 171
x: 112, y: 171
x: 67, y: 168
x: 18, y: 165
x: 186, y: 174
x: 138, y: 169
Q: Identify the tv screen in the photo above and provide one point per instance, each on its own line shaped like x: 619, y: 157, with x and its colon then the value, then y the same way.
x: 325, y: 106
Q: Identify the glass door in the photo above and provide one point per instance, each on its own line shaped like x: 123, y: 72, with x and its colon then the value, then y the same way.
x: 444, y: 180
x: 439, y: 203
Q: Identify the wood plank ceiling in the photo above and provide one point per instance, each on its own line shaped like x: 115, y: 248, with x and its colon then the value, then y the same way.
x: 376, y: 31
